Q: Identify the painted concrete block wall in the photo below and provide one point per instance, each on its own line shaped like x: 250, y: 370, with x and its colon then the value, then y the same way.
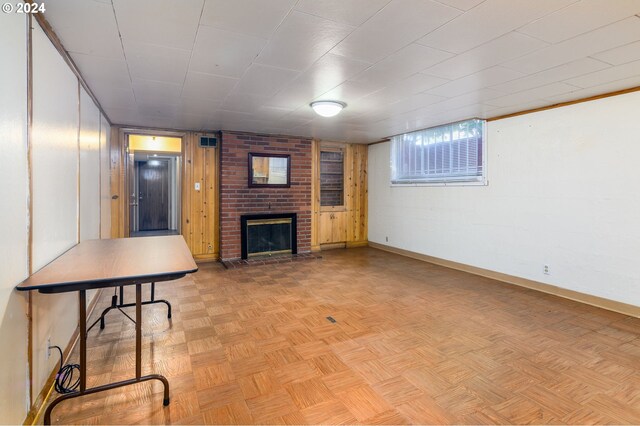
x: 14, y: 378
x: 89, y: 168
x: 563, y: 191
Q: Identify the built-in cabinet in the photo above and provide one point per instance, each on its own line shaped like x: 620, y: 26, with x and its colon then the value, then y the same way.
x: 339, y: 195
x: 333, y: 227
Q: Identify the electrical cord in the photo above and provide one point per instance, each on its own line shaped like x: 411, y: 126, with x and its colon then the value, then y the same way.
x: 64, y: 377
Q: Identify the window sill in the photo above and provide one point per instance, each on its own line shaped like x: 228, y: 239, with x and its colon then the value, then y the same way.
x: 479, y: 183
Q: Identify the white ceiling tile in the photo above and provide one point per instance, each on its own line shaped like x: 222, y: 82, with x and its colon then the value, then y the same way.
x: 530, y: 95
x: 155, y: 121
x: 351, y: 12
x: 300, y: 40
x: 462, y: 4
x: 598, y: 78
x: 620, y: 55
x: 158, y: 109
x: 491, y: 19
x: 348, y: 91
x: 119, y: 115
x: 292, y: 97
x: 224, y: 52
x: 93, y: 30
x: 105, y: 71
x: 511, y: 45
x: 289, y: 122
x: 499, y: 111
x: 580, y: 17
x: 248, y: 103
x: 588, y: 92
x: 214, y: 87
x: 152, y: 62
x: 192, y: 122
x: 162, y: 22
x: 263, y: 80
x: 272, y: 113
x: 114, y: 97
x: 279, y: 62
x: 396, y: 25
x: 327, y: 73
x: 409, y: 86
x: 406, y: 61
x: 198, y: 106
x: 475, y: 97
x: 414, y: 102
x: 609, y: 37
x: 254, y: 17
x: 156, y: 91
x: 479, y: 80
x: 559, y: 73
x: 330, y: 71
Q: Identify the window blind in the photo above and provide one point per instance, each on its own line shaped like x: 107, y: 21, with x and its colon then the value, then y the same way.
x: 449, y: 153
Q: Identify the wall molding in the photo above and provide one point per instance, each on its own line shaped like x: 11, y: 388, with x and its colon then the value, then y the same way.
x: 564, y: 104
x: 599, y: 302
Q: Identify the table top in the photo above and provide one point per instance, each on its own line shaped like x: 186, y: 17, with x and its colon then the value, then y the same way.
x: 108, y: 263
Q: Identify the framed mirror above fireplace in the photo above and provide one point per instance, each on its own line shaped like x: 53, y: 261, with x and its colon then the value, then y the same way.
x: 269, y: 170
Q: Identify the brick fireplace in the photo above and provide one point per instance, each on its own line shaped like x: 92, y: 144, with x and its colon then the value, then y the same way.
x: 238, y: 199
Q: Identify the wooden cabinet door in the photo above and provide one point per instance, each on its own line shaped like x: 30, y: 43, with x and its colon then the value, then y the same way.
x: 333, y: 227
x: 326, y: 227
x: 339, y: 231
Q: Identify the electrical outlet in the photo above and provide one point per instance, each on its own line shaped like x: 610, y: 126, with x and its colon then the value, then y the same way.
x: 386, y: 239
x: 197, y: 186
x: 48, y: 347
x: 546, y: 270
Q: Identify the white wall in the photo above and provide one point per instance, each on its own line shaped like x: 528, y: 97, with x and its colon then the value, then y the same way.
x: 89, y: 168
x: 55, y: 194
x: 105, y: 176
x: 563, y: 190
x: 64, y: 156
x: 14, y: 398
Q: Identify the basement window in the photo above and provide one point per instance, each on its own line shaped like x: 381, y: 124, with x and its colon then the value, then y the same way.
x: 451, y: 154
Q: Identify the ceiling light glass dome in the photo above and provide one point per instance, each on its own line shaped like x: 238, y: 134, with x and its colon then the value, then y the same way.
x: 327, y: 108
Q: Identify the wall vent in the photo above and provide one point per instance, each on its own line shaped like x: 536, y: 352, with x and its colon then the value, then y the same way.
x: 208, y: 141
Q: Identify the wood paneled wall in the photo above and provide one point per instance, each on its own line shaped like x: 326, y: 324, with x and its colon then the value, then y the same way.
x: 200, y: 221
x: 199, y: 216
x: 355, y: 187
x: 357, y: 195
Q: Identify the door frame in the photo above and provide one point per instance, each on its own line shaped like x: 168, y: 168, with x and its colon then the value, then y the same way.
x: 127, y: 167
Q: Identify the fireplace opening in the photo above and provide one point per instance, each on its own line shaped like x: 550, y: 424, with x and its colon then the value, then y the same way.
x: 268, y: 234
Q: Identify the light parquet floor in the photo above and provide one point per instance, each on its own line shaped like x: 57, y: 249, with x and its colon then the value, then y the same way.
x: 412, y: 343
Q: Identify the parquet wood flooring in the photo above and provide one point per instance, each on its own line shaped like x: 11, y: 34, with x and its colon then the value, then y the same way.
x: 412, y: 343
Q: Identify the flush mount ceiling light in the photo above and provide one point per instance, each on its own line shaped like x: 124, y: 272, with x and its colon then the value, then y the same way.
x: 327, y: 108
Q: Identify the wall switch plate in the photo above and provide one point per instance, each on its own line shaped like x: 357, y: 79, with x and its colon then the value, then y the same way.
x: 197, y: 186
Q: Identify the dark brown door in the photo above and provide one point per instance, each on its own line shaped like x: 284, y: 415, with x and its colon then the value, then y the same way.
x: 153, y: 198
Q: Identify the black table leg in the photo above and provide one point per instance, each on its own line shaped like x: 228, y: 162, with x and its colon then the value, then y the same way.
x: 83, y: 359
x: 120, y: 304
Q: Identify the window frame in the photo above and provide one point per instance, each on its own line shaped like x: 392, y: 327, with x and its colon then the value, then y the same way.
x: 333, y: 147
x: 480, y: 180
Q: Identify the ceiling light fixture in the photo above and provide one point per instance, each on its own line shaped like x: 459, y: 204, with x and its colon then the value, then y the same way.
x: 327, y: 108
